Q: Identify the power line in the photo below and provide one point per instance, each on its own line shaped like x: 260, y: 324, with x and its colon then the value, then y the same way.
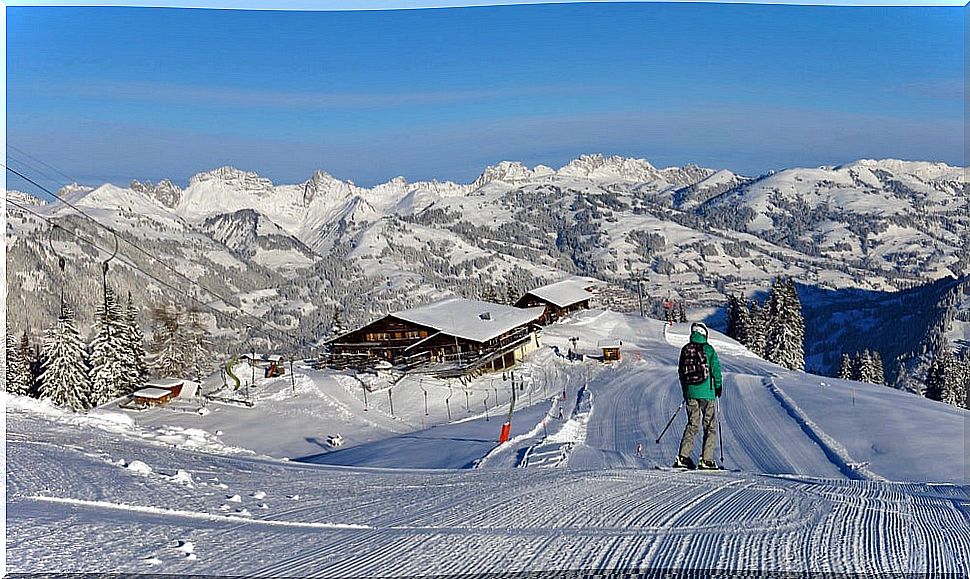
x: 179, y: 274
x: 205, y: 305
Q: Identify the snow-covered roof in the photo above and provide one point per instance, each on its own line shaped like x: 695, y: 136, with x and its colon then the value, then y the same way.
x: 152, y: 392
x: 563, y: 293
x: 610, y: 343
x: 469, y: 319
x: 164, y: 383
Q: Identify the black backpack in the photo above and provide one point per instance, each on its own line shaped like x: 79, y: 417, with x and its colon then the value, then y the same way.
x: 693, y: 367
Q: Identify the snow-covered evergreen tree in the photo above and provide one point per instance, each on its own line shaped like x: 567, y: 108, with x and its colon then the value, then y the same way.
x: 64, y: 378
x: 785, y: 328
x: 337, y: 325
x: 797, y: 322
x: 757, y: 329
x: 878, y: 371
x: 198, y: 345
x: 944, y: 379
x: 135, y: 344
x: 744, y: 321
x: 847, y: 370
x: 112, y: 368
x: 19, y: 378
x: 864, y: 367
x: 168, y: 347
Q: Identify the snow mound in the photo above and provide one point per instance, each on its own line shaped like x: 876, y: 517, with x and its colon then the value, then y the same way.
x: 140, y: 468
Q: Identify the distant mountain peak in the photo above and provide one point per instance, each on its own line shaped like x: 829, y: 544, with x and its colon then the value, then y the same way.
x: 509, y: 172
x: 248, y: 180
x: 165, y: 192
x: 598, y: 165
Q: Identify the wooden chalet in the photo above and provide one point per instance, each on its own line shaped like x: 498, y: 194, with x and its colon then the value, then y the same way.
x: 558, y: 299
x: 451, y: 337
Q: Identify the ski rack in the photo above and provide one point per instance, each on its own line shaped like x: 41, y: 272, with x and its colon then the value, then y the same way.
x: 215, y: 397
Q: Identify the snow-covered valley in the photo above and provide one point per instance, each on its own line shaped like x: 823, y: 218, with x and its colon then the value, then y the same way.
x: 828, y: 475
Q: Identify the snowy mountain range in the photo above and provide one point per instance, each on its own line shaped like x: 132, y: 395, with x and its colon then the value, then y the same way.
x: 294, y: 253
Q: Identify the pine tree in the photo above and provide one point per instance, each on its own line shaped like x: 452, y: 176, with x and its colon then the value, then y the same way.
x: 965, y: 366
x: 168, y: 355
x: 29, y: 356
x: 847, y: 371
x: 864, y: 367
x: 337, y: 324
x: 135, y: 345
x: 19, y: 377
x: 879, y: 372
x: 796, y: 320
x: 938, y: 374
x: 757, y: 335
x: 744, y: 322
x: 785, y: 327
x: 732, y: 315
x: 198, y: 358
x: 64, y: 365
x: 112, y: 370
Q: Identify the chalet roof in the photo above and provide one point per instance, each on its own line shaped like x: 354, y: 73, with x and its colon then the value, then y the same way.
x: 464, y: 318
x: 563, y: 293
x: 610, y: 343
x: 164, y: 383
x: 152, y: 392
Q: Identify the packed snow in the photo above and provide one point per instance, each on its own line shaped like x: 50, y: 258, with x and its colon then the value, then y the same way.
x: 832, y: 476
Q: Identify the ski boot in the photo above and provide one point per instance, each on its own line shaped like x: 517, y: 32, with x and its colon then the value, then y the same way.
x: 684, y: 462
x: 707, y: 465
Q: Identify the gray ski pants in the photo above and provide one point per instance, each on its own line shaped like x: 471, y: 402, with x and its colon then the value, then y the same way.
x: 695, y: 410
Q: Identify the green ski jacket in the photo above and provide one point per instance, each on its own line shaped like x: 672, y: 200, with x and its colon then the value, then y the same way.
x: 710, y: 388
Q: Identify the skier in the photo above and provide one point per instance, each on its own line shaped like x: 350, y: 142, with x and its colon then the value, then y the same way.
x: 700, y: 382
x: 639, y: 450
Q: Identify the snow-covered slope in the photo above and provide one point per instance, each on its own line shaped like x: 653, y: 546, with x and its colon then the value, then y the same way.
x: 834, y: 476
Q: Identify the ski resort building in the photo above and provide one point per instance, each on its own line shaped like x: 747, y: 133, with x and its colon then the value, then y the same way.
x: 558, y: 299
x: 451, y: 337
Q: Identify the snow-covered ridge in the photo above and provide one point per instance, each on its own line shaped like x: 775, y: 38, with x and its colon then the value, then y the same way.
x: 23, y: 198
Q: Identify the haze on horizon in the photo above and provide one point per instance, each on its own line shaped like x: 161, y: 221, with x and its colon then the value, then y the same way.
x: 112, y: 94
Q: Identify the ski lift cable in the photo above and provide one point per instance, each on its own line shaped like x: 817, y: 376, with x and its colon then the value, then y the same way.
x: 112, y: 231
x: 215, y: 311
x: 55, y: 226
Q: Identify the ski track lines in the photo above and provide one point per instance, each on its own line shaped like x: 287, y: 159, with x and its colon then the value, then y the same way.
x: 443, y: 522
x: 754, y: 422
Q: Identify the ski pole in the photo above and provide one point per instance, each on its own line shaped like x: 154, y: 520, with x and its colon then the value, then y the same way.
x: 720, y: 439
x: 671, y: 421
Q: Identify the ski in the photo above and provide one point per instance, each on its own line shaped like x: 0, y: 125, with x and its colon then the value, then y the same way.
x: 704, y: 470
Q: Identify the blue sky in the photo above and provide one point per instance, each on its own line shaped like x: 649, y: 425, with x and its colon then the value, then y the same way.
x: 111, y: 94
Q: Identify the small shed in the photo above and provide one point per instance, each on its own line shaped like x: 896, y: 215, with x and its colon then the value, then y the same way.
x: 611, y: 349
x: 152, y: 396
